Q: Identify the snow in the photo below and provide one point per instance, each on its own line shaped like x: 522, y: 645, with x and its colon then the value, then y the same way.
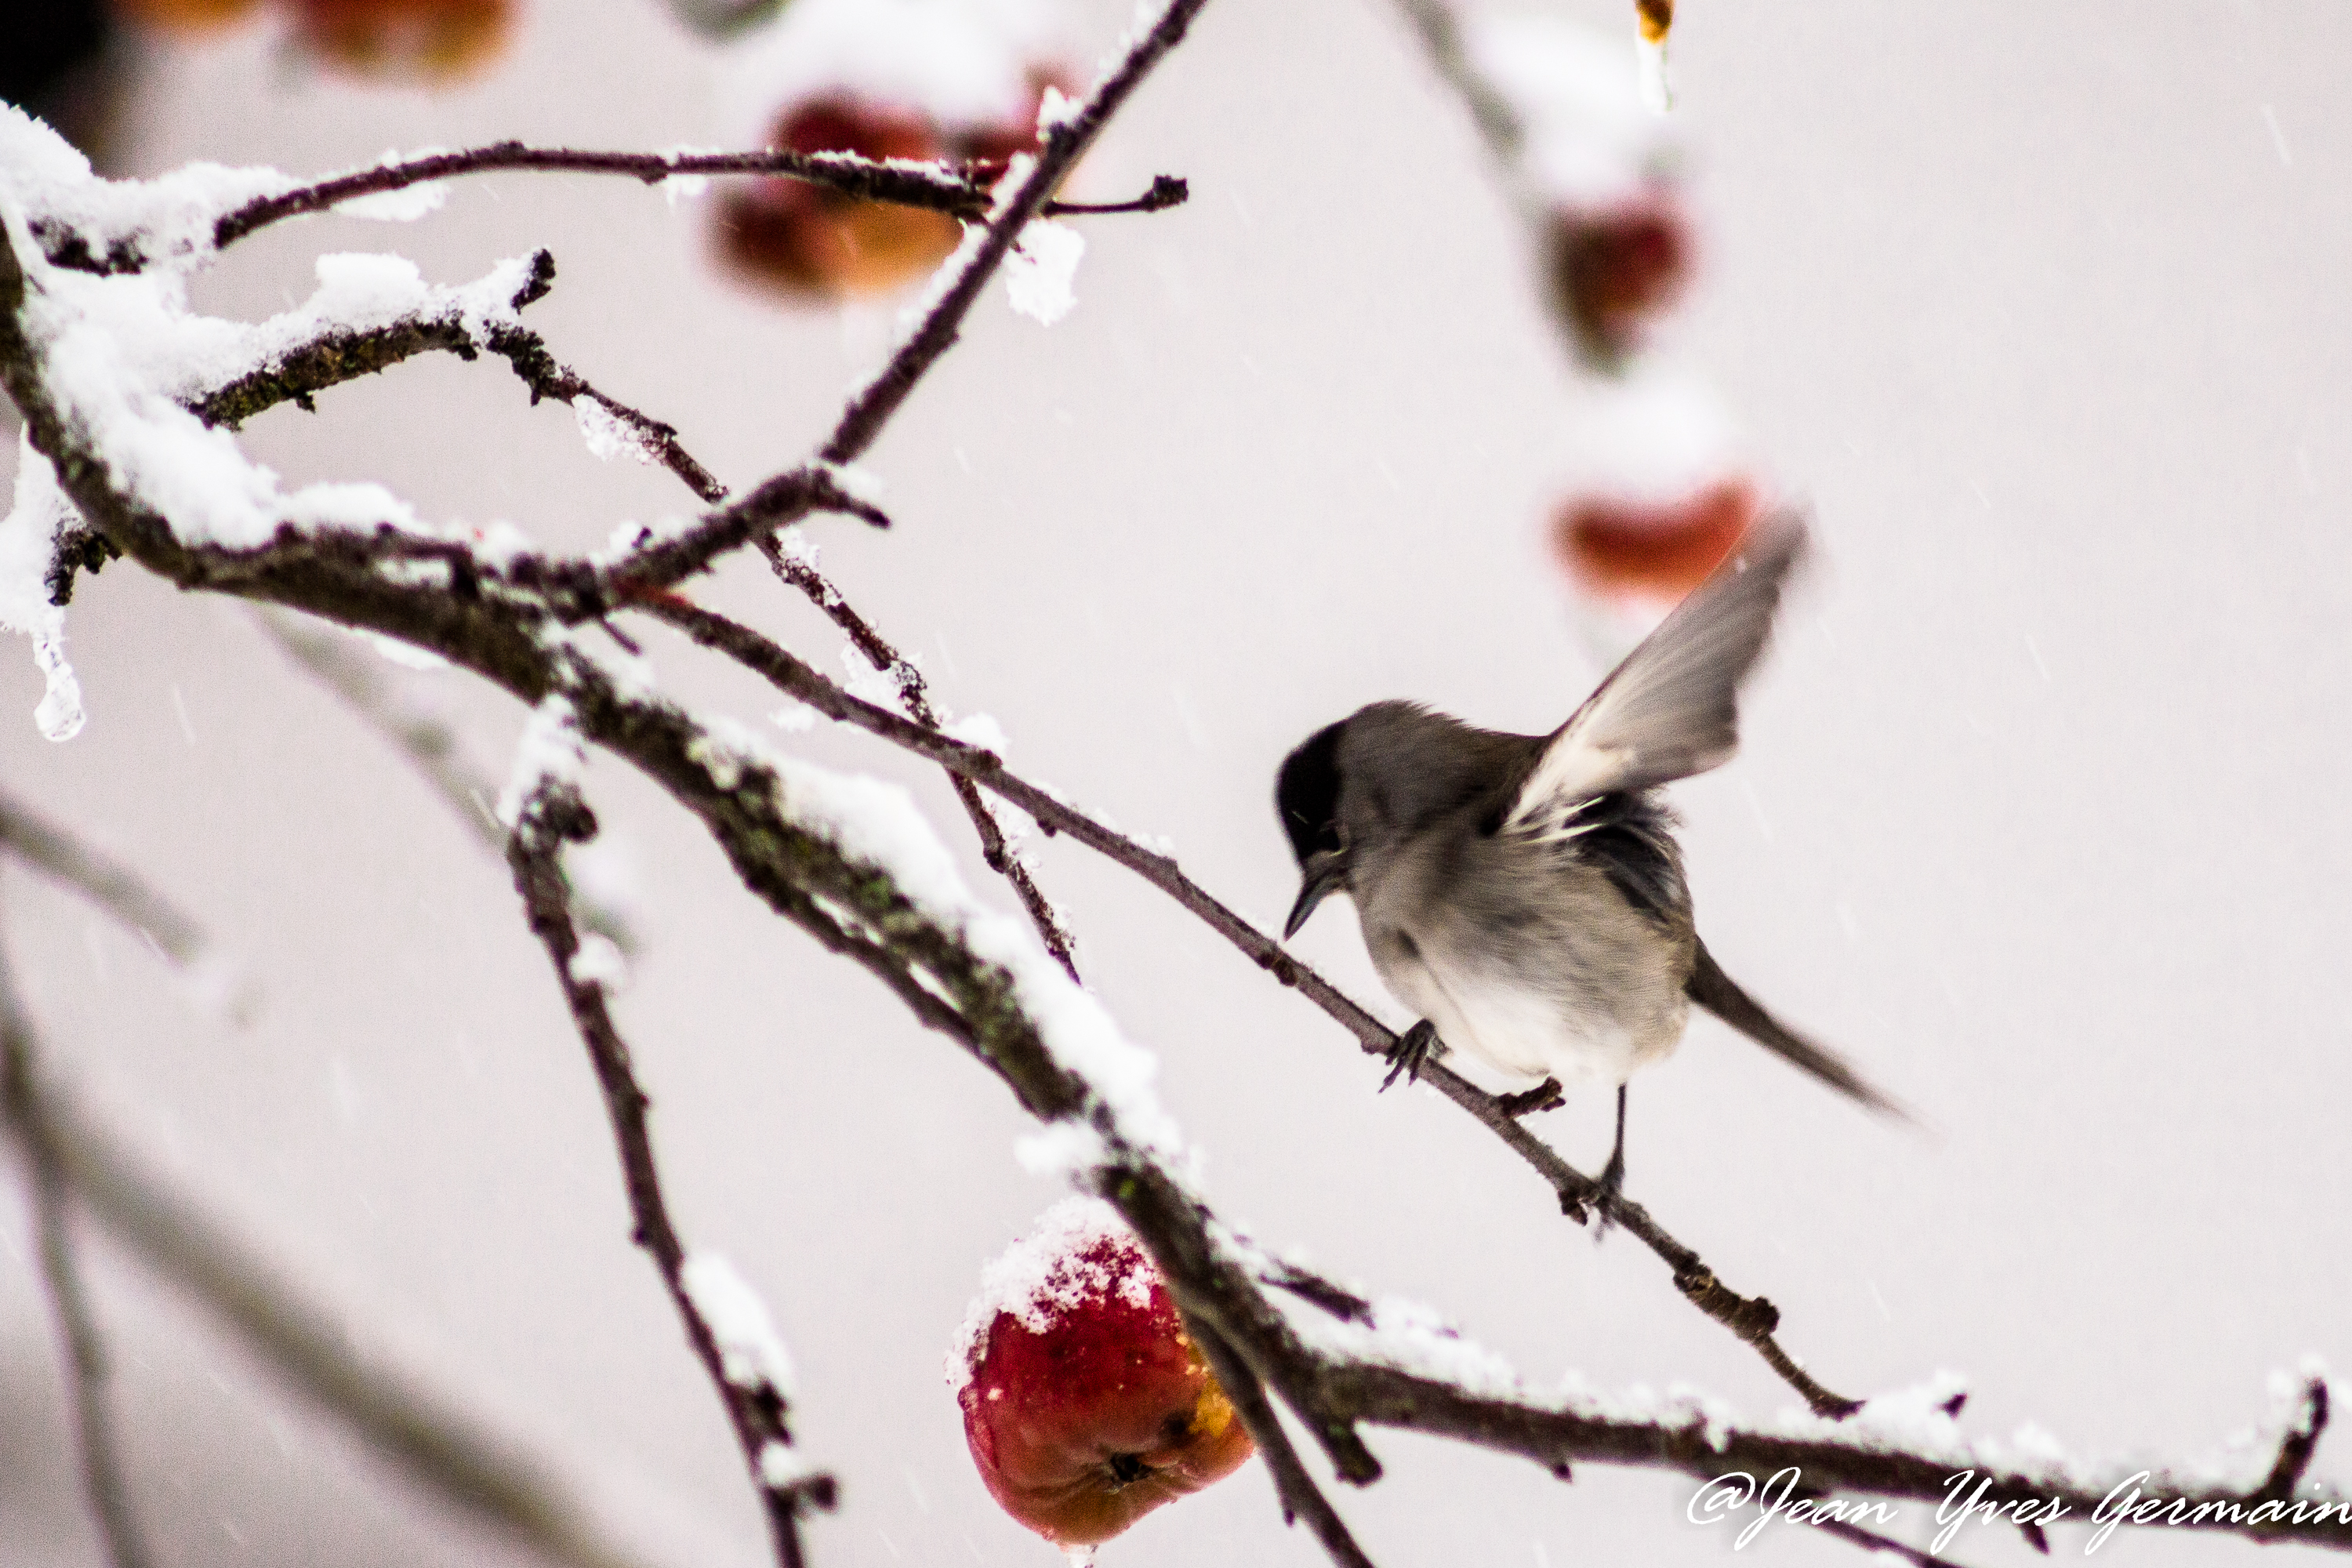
x: 1649, y: 440
x: 794, y: 717
x: 600, y: 962
x: 548, y: 751
x: 120, y: 355
x: 855, y: 482
x: 1589, y: 138
x: 1077, y: 1251
x: 1657, y: 84
x: 1041, y: 269
x: 170, y: 218
x: 406, y: 205
x: 28, y: 537
x: 977, y: 730
x: 781, y: 1466
x: 966, y: 63
x: 608, y: 435
x: 750, y: 1354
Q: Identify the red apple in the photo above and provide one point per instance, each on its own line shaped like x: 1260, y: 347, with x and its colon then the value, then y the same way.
x: 1616, y: 268
x: 1653, y: 549
x: 432, y: 39
x: 1085, y: 1403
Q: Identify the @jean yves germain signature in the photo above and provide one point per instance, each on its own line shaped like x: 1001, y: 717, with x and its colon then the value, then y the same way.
x: 1783, y: 1495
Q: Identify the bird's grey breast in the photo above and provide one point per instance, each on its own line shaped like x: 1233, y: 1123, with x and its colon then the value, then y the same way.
x: 1542, y: 954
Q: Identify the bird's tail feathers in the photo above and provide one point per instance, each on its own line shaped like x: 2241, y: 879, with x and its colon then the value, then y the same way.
x: 1717, y: 991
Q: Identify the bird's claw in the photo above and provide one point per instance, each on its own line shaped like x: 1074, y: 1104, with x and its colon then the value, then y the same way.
x: 1545, y: 1096
x: 1411, y: 1052
x: 1603, y: 1200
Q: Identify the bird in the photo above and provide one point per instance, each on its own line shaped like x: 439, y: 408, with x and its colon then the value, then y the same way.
x: 1525, y: 894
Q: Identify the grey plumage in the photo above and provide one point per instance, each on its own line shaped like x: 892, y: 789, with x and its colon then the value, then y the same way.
x: 1524, y: 894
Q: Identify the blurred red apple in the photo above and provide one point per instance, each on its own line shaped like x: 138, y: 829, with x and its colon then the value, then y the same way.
x: 184, y: 15
x: 1085, y: 1403
x: 432, y: 39
x: 813, y: 241
x: 1616, y: 268
x: 1654, y: 550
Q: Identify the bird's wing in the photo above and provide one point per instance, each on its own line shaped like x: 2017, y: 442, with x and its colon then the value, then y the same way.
x: 1670, y: 709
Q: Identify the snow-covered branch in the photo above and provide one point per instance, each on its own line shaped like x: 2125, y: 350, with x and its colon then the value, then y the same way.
x: 1752, y: 1318
x: 724, y: 1322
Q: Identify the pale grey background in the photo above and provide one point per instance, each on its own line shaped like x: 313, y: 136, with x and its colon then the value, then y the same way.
x: 2041, y: 813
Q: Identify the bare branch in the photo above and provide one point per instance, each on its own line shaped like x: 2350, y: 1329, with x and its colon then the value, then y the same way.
x: 942, y: 188
x: 755, y: 1406
x: 1440, y: 31
x: 442, y: 1451
x: 85, y: 1353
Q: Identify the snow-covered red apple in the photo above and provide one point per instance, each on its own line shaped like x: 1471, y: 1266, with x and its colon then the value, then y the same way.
x: 434, y: 39
x: 951, y: 80
x: 1655, y: 486
x: 1085, y: 1403
x: 1616, y: 269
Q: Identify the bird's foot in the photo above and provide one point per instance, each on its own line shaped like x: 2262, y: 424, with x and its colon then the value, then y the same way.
x: 1411, y: 1052
x: 1605, y: 1194
x: 1545, y: 1096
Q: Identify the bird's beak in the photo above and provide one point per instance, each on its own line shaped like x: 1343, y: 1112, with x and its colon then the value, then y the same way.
x: 1326, y: 870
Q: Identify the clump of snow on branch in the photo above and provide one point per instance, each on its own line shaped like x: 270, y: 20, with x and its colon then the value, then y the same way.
x: 168, y: 219
x: 28, y: 543
x: 405, y: 204
x: 966, y: 63
x: 609, y: 436
x: 1041, y: 270
x: 600, y: 962
x: 121, y: 354
x: 751, y: 1353
x: 781, y: 1467
x: 978, y: 730
x: 1589, y: 139
x: 1077, y: 1251
x: 548, y: 752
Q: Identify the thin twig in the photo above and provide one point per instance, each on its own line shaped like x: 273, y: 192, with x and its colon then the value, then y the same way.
x: 443, y: 1451
x: 1752, y: 1318
x: 786, y: 497
x: 755, y: 1407
x: 1440, y: 31
x: 1063, y: 145
x: 1295, y: 1488
x: 112, y: 886
x: 427, y: 742
x: 21, y: 1097
x: 941, y: 187
x: 915, y: 693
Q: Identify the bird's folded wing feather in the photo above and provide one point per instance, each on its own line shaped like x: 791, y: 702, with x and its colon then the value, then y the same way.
x: 1671, y: 708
